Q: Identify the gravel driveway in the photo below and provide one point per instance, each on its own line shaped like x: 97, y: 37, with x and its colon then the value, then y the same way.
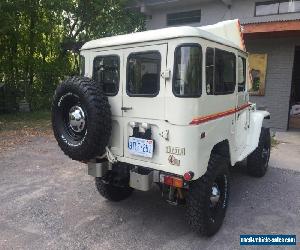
x: 48, y: 201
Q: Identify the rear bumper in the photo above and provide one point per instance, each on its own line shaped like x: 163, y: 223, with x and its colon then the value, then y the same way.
x: 160, y: 167
x: 140, y: 180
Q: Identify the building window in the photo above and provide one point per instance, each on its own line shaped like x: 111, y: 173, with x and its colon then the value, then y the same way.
x: 143, y: 74
x: 276, y: 7
x: 220, y: 72
x: 181, y: 18
x: 188, y: 71
x: 107, y: 72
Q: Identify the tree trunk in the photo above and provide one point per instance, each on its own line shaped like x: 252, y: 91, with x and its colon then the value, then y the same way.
x: 31, y: 45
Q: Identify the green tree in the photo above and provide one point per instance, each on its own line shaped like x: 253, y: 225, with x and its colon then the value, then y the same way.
x: 40, y: 40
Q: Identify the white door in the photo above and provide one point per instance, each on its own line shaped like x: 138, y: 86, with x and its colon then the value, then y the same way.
x: 144, y: 87
x: 108, y: 69
x: 144, y: 98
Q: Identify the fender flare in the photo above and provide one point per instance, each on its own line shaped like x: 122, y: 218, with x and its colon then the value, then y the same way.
x: 256, y: 121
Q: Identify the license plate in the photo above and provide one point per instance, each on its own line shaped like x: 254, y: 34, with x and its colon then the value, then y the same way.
x: 141, y: 147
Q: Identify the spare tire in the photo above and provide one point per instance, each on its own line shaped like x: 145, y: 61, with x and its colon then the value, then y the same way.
x: 81, y: 118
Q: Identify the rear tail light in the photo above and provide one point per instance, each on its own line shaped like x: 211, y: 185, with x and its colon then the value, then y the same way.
x: 171, y: 181
x: 168, y: 180
x: 177, y: 182
x: 188, y: 176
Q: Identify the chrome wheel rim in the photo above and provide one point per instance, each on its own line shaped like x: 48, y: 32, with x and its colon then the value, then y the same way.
x: 265, y: 154
x: 215, y: 195
x: 77, y: 119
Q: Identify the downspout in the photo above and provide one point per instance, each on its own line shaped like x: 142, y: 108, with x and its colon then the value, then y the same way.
x: 228, y: 4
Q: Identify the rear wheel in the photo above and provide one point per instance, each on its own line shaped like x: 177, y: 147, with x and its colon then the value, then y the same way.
x: 258, y: 160
x: 207, y: 198
x: 112, y: 192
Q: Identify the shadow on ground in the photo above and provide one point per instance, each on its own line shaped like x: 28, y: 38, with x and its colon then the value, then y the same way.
x: 48, y: 201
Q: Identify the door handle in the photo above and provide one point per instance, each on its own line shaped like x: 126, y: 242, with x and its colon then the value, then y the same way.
x: 126, y: 108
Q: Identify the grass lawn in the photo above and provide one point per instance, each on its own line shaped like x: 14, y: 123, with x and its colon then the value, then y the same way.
x: 19, y: 128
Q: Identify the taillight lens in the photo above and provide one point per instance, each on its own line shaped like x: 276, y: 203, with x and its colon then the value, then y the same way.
x: 177, y: 182
x: 168, y: 180
x: 172, y: 181
x: 188, y: 176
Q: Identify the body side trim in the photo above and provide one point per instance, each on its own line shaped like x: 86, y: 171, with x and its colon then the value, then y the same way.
x: 206, y: 118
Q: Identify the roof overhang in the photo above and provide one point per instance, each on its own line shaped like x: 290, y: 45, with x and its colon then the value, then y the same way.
x: 277, y: 28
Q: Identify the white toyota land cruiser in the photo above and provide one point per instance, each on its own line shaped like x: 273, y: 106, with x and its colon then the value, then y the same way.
x: 170, y: 107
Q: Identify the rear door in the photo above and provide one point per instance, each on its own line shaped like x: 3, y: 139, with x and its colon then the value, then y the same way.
x: 144, y: 93
x: 144, y: 86
x: 108, y: 70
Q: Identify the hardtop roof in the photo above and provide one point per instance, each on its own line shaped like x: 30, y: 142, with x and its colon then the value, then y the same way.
x: 156, y: 35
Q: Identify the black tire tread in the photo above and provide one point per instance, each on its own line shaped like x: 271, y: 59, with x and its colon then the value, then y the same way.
x: 99, y: 126
x: 197, y: 206
x: 255, y: 165
x: 111, y: 192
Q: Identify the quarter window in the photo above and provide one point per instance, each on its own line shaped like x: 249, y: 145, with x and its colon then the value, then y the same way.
x: 107, y: 72
x: 143, y: 74
x: 241, y: 74
x: 220, y: 72
x: 188, y: 71
x: 210, y: 70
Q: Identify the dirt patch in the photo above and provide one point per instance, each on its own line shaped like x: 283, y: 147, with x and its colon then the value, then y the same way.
x: 12, y: 138
x: 20, y: 128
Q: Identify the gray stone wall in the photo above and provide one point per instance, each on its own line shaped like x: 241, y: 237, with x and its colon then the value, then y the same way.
x: 278, y: 79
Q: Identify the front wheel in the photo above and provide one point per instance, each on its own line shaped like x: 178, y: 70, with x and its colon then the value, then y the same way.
x: 207, y: 198
x: 258, y: 160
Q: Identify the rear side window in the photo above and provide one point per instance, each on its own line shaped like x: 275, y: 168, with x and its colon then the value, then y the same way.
x: 187, y: 79
x: 107, y: 71
x: 241, y: 74
x: 143, y: 74
x: 220, y: 72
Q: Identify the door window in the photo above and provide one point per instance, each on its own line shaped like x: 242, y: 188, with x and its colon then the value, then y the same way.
x: 107, y: 71
x: 143, y: 74
x: 188, y: 71
x: 241, y: 74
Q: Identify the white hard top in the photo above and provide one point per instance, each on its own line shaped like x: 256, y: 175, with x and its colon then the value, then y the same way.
x: 165, y: 34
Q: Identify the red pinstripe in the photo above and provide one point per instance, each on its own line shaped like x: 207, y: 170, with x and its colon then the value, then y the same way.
x: 206, y: 118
